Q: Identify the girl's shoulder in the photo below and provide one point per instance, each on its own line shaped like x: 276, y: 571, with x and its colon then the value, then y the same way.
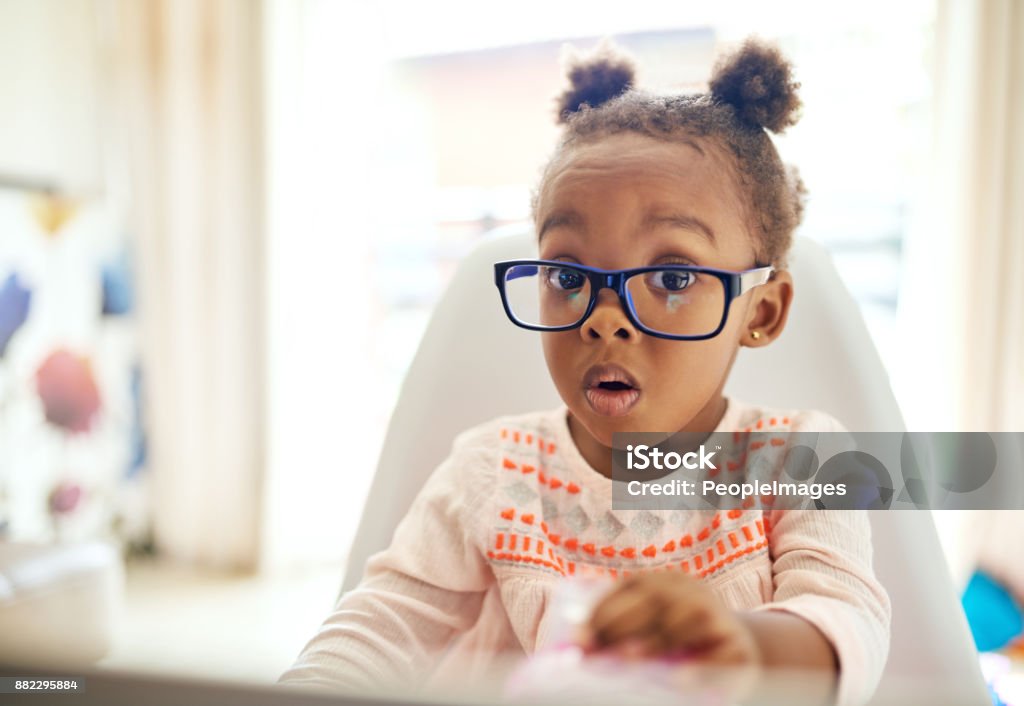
x: 745, y: 416
x: 482, y: 454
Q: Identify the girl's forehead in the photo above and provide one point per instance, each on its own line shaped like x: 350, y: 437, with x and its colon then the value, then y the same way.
x: 684, y: 164
x: 635, y: 168
x: 638, y: 185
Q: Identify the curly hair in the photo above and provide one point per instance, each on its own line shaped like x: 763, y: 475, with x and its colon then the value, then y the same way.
x: 752, y: 91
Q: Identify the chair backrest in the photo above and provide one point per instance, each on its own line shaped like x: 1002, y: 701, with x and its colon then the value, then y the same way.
x: 824, y: 360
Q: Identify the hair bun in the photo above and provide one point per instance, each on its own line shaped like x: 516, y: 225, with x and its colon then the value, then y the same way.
x: 757, y: 81
x: 595, y: 78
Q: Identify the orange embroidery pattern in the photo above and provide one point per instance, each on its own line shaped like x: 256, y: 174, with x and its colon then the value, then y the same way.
x: 774, y: 421
x: 707, y: 558
x: 755, y: 445
x: 542, y: 478
x: 526, y: 559
x: 563, y: 568
x: 527, y: 439
x: 733, y: 557
x: 705, y: 563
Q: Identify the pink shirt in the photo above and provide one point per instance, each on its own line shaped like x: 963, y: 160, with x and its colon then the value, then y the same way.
x: 515, y: 508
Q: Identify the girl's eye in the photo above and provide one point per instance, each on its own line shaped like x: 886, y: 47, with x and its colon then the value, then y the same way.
x: 671, y: 280
x: 565, y: 279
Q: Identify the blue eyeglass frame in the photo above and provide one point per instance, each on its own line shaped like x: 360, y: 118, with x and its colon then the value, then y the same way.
x: 735, y: 284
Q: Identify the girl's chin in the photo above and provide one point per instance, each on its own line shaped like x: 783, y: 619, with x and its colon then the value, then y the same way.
x: 601, y: 428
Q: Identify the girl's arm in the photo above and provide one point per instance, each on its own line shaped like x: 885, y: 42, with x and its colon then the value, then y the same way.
x: 785, y: 641
x: 823, y: 576
x: 418, y: 594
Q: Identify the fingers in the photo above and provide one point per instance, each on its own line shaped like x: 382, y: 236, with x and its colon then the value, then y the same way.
x: 663, y: 614
x: 711, y: 633
x: 648, y: 645
x: 635, y: 612
x: 627, y: 612
x: 691, y: 625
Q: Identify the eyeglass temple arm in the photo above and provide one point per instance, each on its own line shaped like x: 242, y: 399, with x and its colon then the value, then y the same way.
x: 753, y: 278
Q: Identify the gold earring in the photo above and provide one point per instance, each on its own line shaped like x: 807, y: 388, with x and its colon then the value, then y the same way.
x: 755, y: 335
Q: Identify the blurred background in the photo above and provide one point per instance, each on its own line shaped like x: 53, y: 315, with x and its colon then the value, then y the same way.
x: 224, y: 223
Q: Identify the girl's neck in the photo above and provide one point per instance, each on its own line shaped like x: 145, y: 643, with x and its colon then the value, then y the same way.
x: 599, y: 456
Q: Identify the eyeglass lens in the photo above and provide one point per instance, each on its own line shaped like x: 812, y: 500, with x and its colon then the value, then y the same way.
x: 674, y: 302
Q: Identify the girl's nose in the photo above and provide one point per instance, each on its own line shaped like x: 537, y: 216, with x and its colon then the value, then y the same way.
x: 608, y: 320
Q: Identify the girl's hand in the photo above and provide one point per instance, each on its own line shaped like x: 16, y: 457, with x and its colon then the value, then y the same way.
x: 667, y: 614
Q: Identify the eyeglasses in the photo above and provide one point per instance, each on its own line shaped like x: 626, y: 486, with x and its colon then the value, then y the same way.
x: 677, y: 302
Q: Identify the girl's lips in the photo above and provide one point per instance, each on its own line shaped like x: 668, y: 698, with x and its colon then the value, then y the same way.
x: 612, y: 403
x: 610, y: 389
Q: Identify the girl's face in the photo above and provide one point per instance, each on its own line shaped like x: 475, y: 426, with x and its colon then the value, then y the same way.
x: 629, y: 201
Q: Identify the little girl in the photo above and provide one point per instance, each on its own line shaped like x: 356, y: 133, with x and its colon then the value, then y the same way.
x: 690, y: 189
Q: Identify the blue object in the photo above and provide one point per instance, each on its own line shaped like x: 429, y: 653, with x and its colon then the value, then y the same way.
x: 992, y: 613
x: 137, y: 462
x: 118, y: 295
x: 14, y: 302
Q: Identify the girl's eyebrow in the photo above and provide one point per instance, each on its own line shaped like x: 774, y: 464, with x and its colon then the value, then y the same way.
x: 679, y: 220
x: 568, y: 218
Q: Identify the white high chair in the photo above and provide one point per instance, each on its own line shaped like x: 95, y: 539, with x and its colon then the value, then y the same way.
x: 473, y: 365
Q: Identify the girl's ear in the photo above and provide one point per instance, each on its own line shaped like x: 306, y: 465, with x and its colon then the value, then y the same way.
x: 769, y: 311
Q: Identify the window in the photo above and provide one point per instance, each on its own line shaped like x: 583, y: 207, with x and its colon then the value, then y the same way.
x: 394, y: 146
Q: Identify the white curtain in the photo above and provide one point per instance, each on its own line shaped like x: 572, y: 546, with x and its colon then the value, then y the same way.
x: 968, y: 288
x: 980, y: 142
x: 187, y: 81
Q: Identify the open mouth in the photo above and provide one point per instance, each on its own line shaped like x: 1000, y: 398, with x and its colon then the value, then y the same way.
x: 610, y: 389
x: 615, y: 385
